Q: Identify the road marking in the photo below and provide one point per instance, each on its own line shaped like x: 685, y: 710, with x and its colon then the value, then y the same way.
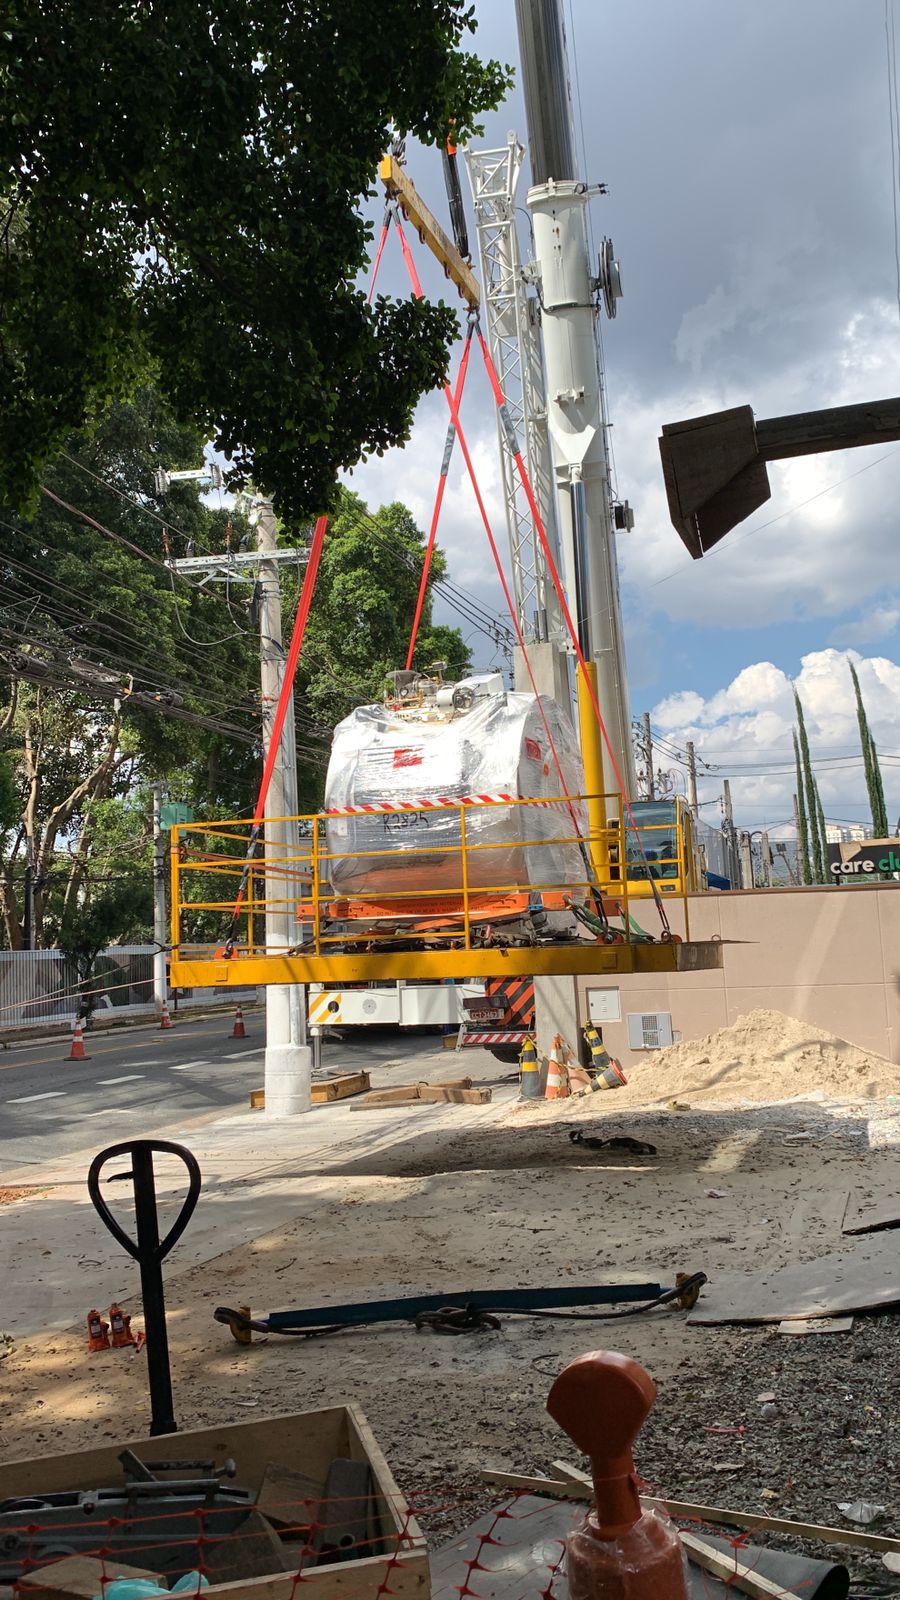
x: 187, y: 1066
x: 130, y: 1077
x: 26, y: 1099
x: 110, y: 1111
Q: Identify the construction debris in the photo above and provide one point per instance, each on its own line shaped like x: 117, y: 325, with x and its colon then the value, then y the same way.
x: 458, y: 1091
x: 859, y: 1279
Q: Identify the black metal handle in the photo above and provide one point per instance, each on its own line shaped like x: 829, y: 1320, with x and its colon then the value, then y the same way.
x: 149, y: 1251
x: 133, y: 1148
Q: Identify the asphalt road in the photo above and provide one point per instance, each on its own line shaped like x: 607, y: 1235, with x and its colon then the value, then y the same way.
x: 134, y: 1083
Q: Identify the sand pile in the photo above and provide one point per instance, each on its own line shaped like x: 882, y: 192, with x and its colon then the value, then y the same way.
x: 765, y: 1055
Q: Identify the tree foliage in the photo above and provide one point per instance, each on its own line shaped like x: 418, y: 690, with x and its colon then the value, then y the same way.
x: 114, y: 673
x: 181, y: 187
x: 363, y: 610
x: 874, y: 785
x: 815, y: 819
x: 806, y: 875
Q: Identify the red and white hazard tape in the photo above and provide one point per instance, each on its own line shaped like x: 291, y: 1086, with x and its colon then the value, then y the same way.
x: 441, y: 803
x: 511, y: 1036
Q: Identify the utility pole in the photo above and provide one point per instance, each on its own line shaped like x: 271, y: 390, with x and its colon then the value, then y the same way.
x: 288, y: 1058
x: 692, y: 779
x: 647, y: 752
x: 160, y: 924
x: 766, y: 855
x: 736, y: 861
x: 746, y: 862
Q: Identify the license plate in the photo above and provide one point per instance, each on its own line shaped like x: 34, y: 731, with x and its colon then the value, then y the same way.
x: 493, y: 1014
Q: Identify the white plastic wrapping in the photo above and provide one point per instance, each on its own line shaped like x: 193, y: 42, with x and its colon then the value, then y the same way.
x: 499, y: 747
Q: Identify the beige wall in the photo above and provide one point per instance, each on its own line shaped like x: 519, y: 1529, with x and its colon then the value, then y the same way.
x: 826, y: 956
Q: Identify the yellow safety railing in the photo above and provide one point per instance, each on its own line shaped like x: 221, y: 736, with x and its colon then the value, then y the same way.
x: 320, y: 894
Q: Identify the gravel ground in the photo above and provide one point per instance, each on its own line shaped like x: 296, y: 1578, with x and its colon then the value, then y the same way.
x: 510, y: 1202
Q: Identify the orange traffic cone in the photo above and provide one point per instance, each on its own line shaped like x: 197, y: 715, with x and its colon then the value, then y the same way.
x: 165, y: 1021
x: 557, y: 1073
x: 98, y: 1332
x: 239, y: 1031
x: 78, y: 1052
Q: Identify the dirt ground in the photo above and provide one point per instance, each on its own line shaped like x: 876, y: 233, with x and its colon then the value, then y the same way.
x: 513, y: 1203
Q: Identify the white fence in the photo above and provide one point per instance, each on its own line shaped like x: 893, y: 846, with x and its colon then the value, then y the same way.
x: 41, y: 986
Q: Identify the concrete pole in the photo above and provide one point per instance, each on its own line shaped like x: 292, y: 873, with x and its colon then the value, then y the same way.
x: 160, y: 921
x: 648, y: 757
x: 746, y: 863
x: 692, y: 778
x: 766, y: 854
x: 288, y: 1058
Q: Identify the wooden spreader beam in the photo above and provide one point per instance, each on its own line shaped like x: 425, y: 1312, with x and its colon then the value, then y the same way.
x: 715, y: 466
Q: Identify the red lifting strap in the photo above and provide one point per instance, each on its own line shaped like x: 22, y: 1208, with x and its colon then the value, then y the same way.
x: 439, y: 499
x: 457, y: 426
x: 287, y: 683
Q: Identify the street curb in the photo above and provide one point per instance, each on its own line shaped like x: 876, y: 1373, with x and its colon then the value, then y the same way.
x: 24, y: 1039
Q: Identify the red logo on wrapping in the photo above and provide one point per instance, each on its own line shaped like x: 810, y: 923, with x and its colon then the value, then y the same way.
x: 532, y: 750
x: 407, y: 758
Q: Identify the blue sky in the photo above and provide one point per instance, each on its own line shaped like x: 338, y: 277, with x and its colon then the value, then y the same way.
x: 751, y: 201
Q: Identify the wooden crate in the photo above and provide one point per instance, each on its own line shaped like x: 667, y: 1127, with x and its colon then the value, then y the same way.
x: 307, y: 1442
x: 322, y: 1094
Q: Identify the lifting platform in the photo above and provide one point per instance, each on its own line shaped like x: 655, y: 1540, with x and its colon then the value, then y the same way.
x: 462, y: 927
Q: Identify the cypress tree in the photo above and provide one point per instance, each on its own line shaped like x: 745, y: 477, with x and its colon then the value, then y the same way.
x: 824, y: 874
x: 879, y: 810
x: 803, y: 832
x: 817, y: 841
x: 874, y: 785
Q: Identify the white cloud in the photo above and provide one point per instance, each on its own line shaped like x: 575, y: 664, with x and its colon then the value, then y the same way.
x: 877, y: 623
x: 743, y: 732
x: 822, y: 545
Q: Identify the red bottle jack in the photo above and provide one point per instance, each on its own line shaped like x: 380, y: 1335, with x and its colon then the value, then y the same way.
x: 98, y: 1332
x: 619, y: 1551
x: 120, y: 1326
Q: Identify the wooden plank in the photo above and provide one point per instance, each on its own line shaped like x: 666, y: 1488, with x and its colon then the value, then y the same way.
x: 325, y: 1093
x: 577, y: 1486
x: 406, y: 1576
x: 873, y: 1221
x: 806, y: 433
x: 341, y: 1088
x: 555, y: 1487
x: 435, y: 1094
x: 412, y: 205
x: 865, y: 1276
x: 253, y: 1550
x: 288, y: 1497
x: 79, y: 1578
x: 733, y: 1571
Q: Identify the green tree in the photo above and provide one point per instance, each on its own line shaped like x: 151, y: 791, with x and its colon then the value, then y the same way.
x: 874, y: 786
x: 112, y: 668
x: 181, y: 187
x: 806, y: 875
x: 116, y: 673
x: 115, y: 913
x: 815, y: 822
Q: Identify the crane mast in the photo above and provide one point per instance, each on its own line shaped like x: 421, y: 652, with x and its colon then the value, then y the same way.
x: 513, y: 337
x: 556, y: 383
